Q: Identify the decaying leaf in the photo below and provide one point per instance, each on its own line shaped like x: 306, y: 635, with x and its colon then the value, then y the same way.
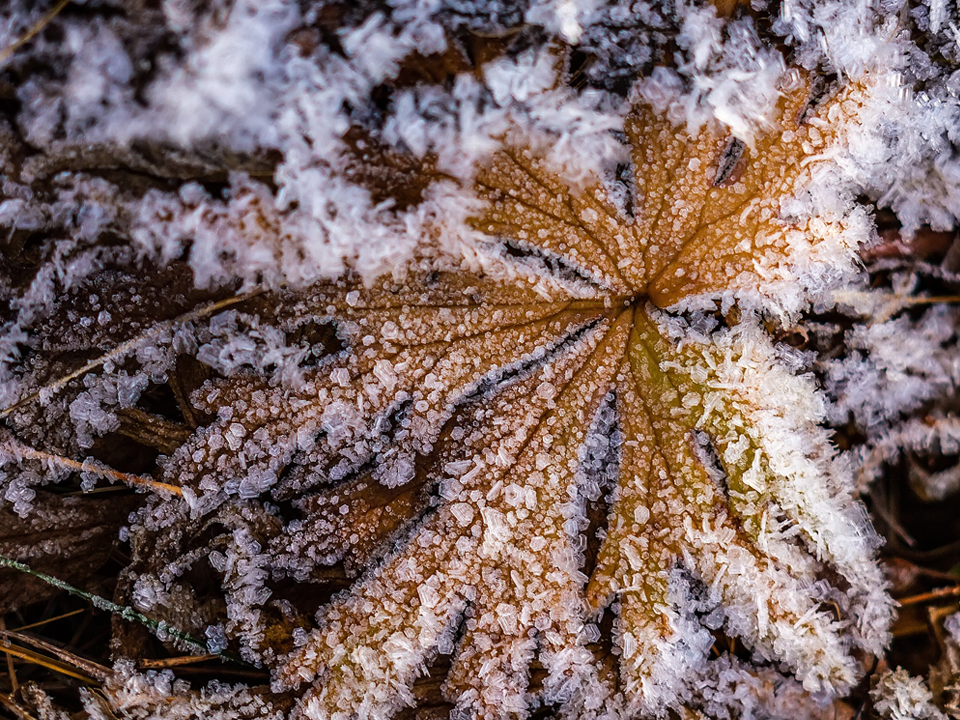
x: 443, y: 452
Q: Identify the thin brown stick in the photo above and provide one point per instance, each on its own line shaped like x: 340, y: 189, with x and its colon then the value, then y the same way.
x: 152, y: 664
x: 889, y: 519
x: 937, y: 299
x: 10, y: 705
x: 35, y: 658
x: 909, y: 627
x: 47, y: 621
x: 94, y: 670
x: 33, y: 31
x: 933, y: 595
x: 14, y: 685
x: 96, y: 491
x: 19, y: 450
x: 939, y: 575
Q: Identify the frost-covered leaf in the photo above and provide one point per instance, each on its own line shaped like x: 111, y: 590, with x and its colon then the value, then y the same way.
x: 471, y: 400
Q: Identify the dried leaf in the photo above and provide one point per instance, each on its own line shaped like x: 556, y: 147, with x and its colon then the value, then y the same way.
x: 473, y: 398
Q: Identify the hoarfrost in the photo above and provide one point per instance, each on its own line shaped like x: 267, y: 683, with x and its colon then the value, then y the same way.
x: 900, y: 696
x: 517, y: 341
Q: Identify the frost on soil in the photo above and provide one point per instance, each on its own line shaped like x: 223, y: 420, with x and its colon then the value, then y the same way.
x: 443, y: 333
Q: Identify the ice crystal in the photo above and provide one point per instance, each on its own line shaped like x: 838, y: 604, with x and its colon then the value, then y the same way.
x: 156, y: 695
x: 898, y: 696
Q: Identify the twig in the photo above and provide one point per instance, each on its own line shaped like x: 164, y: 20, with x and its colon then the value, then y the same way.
x: 94, y: 670
x: 11, y: 707
x: 17, y: 449
x: 36, y: 658
x: 32, y: 32
x: 14, y: 685
x: 891, y: 521
x: 938, y: 594
x: 159, y: 664
x: 48, y: 620
x: 934, y: 300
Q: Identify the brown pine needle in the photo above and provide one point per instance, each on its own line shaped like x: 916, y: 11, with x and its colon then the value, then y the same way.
x: 35, y: 658
x: 151, y: 664
x: 8, y: 704
x: 933, y: 595
x: 32, y: 32
x: 92, y: 670
x: 11, y: 671
x: 18, y: 450
x: 934, y: 300
x: 96, y: 491
x: 123, y: 348
x: 48, y: 620
x: 910, y: 627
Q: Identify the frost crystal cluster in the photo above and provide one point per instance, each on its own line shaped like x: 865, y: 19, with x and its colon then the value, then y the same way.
x: 443, y: 342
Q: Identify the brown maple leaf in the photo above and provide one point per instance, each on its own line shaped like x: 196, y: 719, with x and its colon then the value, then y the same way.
x: 443, y: 451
